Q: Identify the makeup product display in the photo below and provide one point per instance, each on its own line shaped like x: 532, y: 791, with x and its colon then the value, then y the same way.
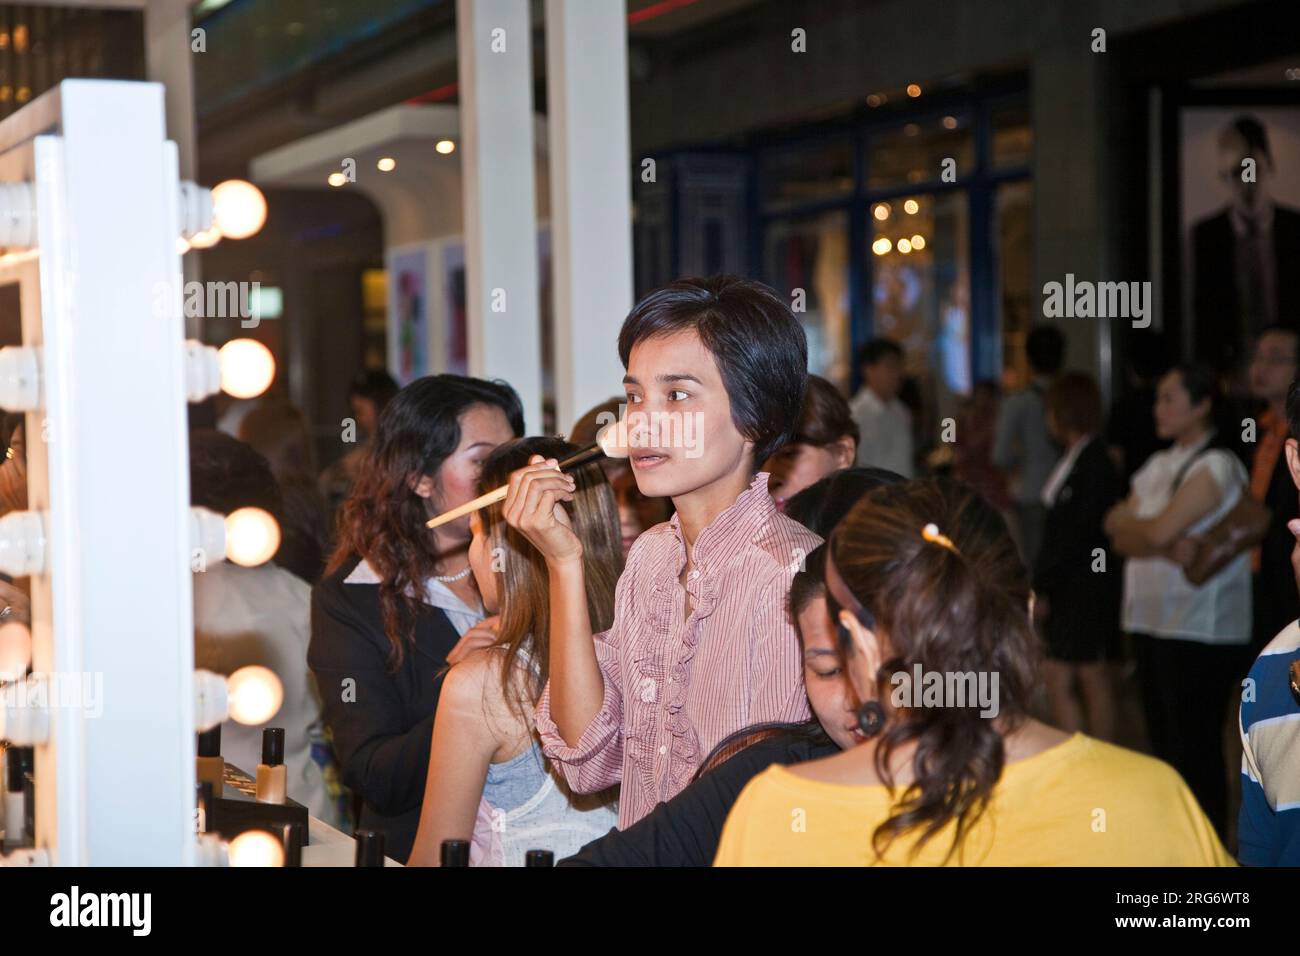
x: 539, y: 858
x: 370, y: 847
x: 208, y: 764
x: 237, y: 809
x: 455, y: 853
x: 271, y: 772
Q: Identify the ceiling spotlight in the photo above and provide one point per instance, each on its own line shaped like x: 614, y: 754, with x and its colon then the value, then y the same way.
x: 336, y: 179
x: 445, y: 146
x: 387, y: 164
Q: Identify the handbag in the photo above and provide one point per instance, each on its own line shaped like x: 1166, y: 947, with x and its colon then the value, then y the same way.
x: 1206, y: 554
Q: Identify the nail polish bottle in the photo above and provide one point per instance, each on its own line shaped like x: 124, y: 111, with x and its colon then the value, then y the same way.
x: 209, y: 767
x: 455, y: 853
x: 271, y: 771
x: 539, y: 858
x: 15, y: 802
x: 370, y: 847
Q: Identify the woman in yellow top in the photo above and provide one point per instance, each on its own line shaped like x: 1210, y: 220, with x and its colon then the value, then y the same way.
x: 933, y: 608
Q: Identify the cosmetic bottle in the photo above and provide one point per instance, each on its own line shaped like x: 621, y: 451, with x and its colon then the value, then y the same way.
x: 294, y: 837
x: 209, y: 767
x: 455, y: 853
x: 370, y: 847
x: 202, y: 806
x: 271, y: 772
x: 15, y: 799
x: 539, y: 858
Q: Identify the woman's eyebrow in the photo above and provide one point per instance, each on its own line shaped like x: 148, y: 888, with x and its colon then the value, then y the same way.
x: 820, y: 652
x: 677, y: 377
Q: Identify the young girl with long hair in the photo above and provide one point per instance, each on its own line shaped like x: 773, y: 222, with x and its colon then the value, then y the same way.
x: 487, y: 776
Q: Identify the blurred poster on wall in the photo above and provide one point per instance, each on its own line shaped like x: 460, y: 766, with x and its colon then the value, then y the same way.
x: 1240, y: 224
x: 455, y: 306
x: 408, y: 306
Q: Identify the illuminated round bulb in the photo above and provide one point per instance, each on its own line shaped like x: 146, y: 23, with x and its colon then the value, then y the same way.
x: 206, y: 239
x: 256, y: 848
x: 336, y: 179
x: 445, y: 146
x: 881, y: 211
x: 911, y: 206
x: 387, y: 164
x: 881, y: 246
x: 15, y: 650
x: 918, y: 242
x: 252, y: 537
x: 913, y: 90
x: 255, y: 695
x: 238, y: 208
x: 182, y: 246
x: 904, y: 246
x: 950, y: 122
x: 247, y: 368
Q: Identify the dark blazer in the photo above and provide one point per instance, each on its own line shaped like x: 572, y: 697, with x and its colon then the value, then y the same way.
x: 1084, y: 604
x: 1277, y: 603
x: 1220, y: 339
x: 382, y: 721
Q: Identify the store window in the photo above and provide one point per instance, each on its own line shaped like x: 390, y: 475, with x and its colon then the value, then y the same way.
x: 806, y: 259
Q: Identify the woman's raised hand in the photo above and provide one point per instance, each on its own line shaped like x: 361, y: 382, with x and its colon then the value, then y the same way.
x: 533, y: 507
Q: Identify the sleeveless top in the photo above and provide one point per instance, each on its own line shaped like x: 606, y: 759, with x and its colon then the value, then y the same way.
x: 526, y: 807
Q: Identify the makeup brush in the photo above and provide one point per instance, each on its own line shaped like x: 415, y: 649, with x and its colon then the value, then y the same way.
x: 606, y: 445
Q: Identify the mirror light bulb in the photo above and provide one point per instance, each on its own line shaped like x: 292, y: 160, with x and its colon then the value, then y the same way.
x: 247, y: 368
x: 256, y: 848
x: 252, y: 537
x: 238, y: 208
x: 254, y: 695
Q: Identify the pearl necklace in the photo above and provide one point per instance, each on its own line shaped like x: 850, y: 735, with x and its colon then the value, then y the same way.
x: 451, y: 578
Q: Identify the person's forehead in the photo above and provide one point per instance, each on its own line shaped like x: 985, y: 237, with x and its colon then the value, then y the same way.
x: 681, y: 351
x: 1277, y: 342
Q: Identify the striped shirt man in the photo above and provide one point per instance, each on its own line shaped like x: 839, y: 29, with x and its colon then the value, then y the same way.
x: 678, y: 683
x: 1269, y: 824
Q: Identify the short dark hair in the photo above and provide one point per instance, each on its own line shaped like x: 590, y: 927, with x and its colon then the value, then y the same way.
x: 821, y: 506
x: 1075, y: 402
x: 376, y: 385
x: 1045, y: 349
x: 809, y: 582
x: 1293, y: 410
x: 226, y: 475
x: 878, y: 349
x: 825, y: 418
x: 758, y: 344
x: 1252, y: 132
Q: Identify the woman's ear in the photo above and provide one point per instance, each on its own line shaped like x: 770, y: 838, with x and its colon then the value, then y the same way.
x: 845, y: 451
x: 422, y: 486
x: 1293, y: 461
x: 868, y: 654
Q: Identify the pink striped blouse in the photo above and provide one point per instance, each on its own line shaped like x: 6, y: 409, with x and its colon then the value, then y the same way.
x: 676, y: 686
